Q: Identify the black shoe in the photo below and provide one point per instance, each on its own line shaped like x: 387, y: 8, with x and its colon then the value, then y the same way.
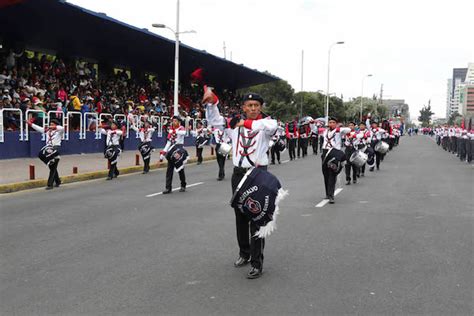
x: 144, y: 172
x: 183, y: 189
x: 362, y: 175
x: 241, y: 262
x: 279, y: 162
x: 272, y: 163
x: 378, y: 168
x: 371, y: 169
x: 49, y: 188
x: 166, y: 192
x: 220, y: 178
x: 58, y: 184
x: 198, y: 163
x: 109, y: 178
x: 348, y: 182
x: 254, y: 273
x: 354, y: 181
x: 331, y: 200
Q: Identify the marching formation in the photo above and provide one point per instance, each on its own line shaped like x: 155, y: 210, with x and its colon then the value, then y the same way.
x: 457, y: 140
x: 252, y: 140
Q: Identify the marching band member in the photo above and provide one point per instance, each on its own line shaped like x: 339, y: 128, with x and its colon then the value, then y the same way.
x: 351, y: 143
x: 202, y: 137
x: 276, y: 148
x: 291, y: 137
x: 250, y: 139
x: 220, y: 137
x: 314, y: 137
x: 49, y: 154
x: 303, y: 134
x: 112, y: 150
x: 376, y: 136
x: 364, y: 141
x: 176, y: 155
x: 332, y: 156
x: 146, y: 135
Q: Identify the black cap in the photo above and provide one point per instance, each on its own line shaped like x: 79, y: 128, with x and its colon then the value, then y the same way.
x: 374, y: 122
x: 351, y: 122
x: 362, y: 123
x: 332, y: 118
x: 253, y: 96
x: 55, y: 121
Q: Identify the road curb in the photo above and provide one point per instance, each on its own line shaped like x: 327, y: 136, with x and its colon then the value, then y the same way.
x: 32, y: 184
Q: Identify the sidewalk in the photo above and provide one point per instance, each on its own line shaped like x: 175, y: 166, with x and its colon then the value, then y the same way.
x: 90, y: 166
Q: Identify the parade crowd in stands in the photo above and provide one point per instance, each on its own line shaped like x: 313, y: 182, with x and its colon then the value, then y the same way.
x: 46, y: 83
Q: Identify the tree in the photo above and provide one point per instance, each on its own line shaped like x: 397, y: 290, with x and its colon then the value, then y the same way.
x: 425, y: 116
x: 275, y: 91
x: 453, y: 118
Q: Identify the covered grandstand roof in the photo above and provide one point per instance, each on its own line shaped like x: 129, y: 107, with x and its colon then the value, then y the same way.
x: 70, y: 30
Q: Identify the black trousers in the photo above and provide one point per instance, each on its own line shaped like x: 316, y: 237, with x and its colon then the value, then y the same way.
x: 330, y: 177
x: 314, y: 144
x: 469, y: 149
x: 169, y: 176
x: 146, y: 166
x: 303, y: 146
x: 53, y: 173
x: 113, y: 171
x: 274, y: 152
x: 291, y: 148
x: 349, y: 166
x: 462, y: 148
x: 249, y: 245
x: 220, y: 162
x: 199, y: 153
x: 454, y: 145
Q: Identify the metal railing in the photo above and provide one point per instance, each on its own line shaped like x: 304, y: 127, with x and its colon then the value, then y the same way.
x: 81, y: 122
x: 94, y: 115
x: 27, y: 117
x: 156, y: 120
x: 2, y: 129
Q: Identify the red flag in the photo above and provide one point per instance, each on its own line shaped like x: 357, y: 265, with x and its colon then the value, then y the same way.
x: 197, y: 75
x: 462, y: 123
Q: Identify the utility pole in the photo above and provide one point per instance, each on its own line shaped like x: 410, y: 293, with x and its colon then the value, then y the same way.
x: 225, y: 56
x: 302, y: 65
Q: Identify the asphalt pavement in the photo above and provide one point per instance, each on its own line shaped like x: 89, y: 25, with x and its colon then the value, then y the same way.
x: 400, y: 242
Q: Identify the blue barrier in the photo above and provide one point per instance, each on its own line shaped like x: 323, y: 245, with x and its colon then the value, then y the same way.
x: 13, y: 148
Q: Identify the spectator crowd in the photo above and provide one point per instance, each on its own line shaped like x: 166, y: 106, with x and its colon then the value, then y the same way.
x: 35, y: 81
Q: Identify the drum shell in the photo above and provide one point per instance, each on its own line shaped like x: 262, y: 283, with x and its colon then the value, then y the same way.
x: 358, y: 158
x: 224, y: 149
x: 382, y: 147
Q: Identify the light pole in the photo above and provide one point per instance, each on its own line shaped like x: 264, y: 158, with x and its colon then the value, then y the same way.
x: 327, y: 91
x: 176, y: 55
x: 301, y: 105
x: 362, y: 94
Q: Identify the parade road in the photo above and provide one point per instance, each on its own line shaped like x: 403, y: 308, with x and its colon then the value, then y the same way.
x: 398, y: 242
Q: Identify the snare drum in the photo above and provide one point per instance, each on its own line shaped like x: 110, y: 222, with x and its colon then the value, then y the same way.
x: 382, y: 147
x: 358, y: 158
x: 224, y: 149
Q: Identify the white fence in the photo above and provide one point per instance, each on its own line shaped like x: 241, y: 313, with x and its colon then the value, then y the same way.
x: 84, y: 118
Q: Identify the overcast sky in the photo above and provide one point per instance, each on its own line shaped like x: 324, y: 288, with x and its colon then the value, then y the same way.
x: 410, y: 46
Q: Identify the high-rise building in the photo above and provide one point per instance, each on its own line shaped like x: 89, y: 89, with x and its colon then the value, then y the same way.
x: 397, y: 107
x: 459, y: 75
x: 449, y: 92
x: 466, y: 93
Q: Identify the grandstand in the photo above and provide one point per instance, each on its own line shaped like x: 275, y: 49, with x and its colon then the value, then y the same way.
x: 96, y: 68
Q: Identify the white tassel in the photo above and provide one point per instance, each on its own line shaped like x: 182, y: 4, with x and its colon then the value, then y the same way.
x: 267, y: 230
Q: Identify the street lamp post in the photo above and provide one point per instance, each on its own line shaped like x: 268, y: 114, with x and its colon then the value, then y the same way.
x: 362, y: 94
x: 327, y: 91
x: 176, y: 56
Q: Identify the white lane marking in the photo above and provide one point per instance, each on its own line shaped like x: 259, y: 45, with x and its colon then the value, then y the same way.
x: 175, y: 189
x: 363, y: 202
x: 306, y: 215
x: 325, y: 201
x: 285, y: 161
x: 322, y: 203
